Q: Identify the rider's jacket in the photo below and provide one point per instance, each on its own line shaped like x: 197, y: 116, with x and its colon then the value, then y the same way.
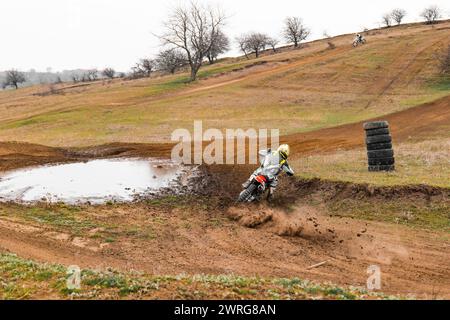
x: 272, y: 164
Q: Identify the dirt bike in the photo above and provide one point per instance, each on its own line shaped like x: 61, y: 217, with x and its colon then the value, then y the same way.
x: 358, y: 41
x: 255, y: 189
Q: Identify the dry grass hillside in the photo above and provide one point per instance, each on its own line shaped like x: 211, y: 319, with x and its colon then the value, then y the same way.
x: 295, y: 90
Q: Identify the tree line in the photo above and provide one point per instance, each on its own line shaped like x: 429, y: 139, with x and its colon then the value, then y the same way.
x: 431, y: 15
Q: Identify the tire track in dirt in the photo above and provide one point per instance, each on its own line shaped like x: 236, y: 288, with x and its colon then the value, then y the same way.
x: 45, y: 245
x: 323, y: 55
x: 411, y: 261
x: 278, y: 244
x: 405, y: 68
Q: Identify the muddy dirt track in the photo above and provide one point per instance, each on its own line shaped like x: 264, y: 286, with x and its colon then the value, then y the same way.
x: 256, y: 240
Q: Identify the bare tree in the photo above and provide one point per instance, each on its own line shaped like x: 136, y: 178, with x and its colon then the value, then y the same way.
x: 257, y: 42
x: 137, y: 72
x: 92, y: 75
x: 171, y: 60
x: 220, y: 45
x: 397, y: 15
x: 431, y: 14
x: 273, y: 43
x: 75, y: 77
x: 147, y: 66
x: 109, y: 73
x: 387, y: 20
x: 58, y: 79
x: 295, y: 31
x: 243, y: 45
x: 193, y: 29
x: 13, y: 79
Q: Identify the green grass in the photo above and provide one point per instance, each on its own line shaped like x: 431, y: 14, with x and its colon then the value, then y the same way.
x: 441, y: 84
x: 60, y: 216
x: 25, y: 279
x: 403, y: 212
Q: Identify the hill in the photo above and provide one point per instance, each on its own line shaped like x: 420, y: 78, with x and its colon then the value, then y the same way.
x: 296, y: 90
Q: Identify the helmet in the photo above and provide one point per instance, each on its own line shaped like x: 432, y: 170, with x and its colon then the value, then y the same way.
x: 284, y: 151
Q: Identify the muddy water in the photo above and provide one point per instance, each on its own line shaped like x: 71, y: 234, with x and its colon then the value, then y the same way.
x: 96, y: 181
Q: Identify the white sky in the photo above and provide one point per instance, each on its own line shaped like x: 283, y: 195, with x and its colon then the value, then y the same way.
x: 70, y: 34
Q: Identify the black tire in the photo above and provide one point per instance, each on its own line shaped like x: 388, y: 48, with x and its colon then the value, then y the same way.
x: 376, y: 154
x: 377, y: 132
x: 385, y: 138
x: 376, y: 125
x: 245, y: 195
x: 381, y: 168
x: 382, y: 162
x: 379, y: 146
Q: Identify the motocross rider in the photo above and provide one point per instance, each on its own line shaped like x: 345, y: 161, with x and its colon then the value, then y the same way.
x: 272, y: 164
x: 359, y: 37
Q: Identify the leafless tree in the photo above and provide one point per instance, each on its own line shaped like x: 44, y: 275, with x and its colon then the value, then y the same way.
x: 257, y: 42
x: 92, y: 75
x: 58, y: 80
x: 75, y: 77
x: 243, y: 45
x: 137, y: 72
x: 147, y: 66
x: 397, y: 15
x: 220, y: 45
x: 273, y: 43
x: 387, y: 20
x: 431, y: 14
x: 295, y: 31
x: 109, y: 73
x: 193, y: 29
x: 171, y: 60
x: 13, y: 79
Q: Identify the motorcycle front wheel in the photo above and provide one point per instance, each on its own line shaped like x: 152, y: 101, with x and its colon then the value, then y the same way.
x: 247, y: 193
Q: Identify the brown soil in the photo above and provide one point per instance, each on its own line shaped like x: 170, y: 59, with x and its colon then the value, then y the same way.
x: 247, y: 241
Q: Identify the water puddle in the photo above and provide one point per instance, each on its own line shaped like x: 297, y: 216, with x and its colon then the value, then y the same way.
x: 96, y: 181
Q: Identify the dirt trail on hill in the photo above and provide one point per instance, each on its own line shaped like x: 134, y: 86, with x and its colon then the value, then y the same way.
x: 316, y: 57
x: 253, y: 241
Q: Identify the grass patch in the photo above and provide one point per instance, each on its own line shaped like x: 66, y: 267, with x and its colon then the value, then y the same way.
x: 441, y: 84
x: 25, y: 279
x: 425, y: 162
x: 432, y: 217
x: 60, y: 216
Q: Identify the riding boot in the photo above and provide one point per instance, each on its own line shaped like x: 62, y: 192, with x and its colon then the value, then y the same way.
x: 270, y: 194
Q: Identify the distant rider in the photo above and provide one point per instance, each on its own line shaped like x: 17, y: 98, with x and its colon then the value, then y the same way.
x: 359, y: 37
x: 272, y: 164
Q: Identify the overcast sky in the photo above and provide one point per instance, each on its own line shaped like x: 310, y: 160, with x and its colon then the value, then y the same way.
x: 70, y: 34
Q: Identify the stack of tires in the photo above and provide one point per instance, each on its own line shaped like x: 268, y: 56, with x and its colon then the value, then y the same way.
x: 379, y: 146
